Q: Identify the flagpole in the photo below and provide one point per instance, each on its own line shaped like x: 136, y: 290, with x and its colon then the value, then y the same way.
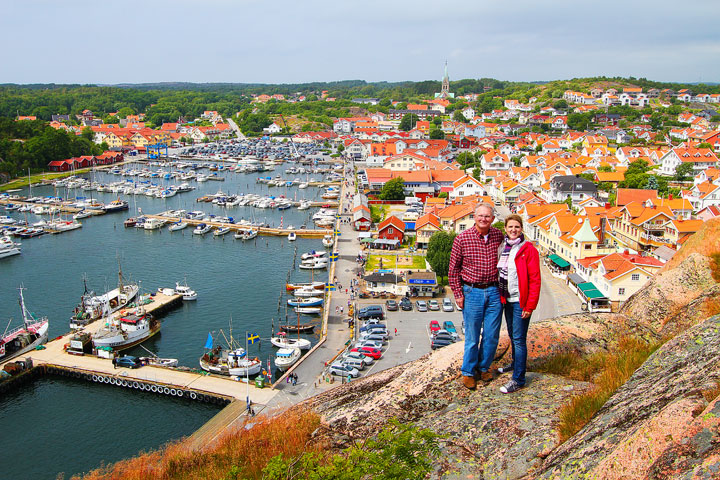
x: 247, y: 370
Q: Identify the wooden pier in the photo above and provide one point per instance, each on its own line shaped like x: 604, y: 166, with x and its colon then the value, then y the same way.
x: 151, y: 379
x: 234, y: 227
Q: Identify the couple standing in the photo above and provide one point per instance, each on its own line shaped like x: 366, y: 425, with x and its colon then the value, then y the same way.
x: 490, y: 274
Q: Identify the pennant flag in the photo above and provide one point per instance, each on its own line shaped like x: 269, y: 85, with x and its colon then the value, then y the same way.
x: 330, y: 287
x: 252, y: 338
x: 334, y: 257
x: 209, y: 342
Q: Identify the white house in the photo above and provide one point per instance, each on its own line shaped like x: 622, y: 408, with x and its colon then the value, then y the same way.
x: 465, y: 187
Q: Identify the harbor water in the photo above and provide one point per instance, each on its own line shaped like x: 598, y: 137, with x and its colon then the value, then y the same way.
x: 240, y: 286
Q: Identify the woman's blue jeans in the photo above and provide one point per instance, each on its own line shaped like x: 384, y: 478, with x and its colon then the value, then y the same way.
x: 517, y: 330
x: 482, y: 312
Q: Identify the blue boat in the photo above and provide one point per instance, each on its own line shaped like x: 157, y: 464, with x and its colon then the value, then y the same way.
x: 305, y: 302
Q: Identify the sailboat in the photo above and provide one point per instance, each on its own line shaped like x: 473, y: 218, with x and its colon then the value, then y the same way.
x: 32, y: 333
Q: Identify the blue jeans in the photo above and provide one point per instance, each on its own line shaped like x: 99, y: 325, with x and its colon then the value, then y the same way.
x: 482, y: 310
x: 517, y: 330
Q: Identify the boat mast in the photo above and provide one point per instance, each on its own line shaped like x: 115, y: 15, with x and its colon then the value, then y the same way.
x: 25, y: 313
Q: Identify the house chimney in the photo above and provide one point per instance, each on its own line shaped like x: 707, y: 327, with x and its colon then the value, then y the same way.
x: 607, y: 205
x: 601, y: 240
x: 670, y: 197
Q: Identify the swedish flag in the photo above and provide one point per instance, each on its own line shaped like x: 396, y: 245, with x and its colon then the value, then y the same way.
x: 252, y: 338
x: 334, y: 257
x: 330, y: 287
x: 337, y: 233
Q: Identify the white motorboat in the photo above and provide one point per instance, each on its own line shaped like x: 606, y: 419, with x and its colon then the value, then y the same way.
x: 313, y: 255
x: 63, y: 225
x: 202, y: 229
x: 177, y: 226
x: 126, y: 331
x: 305, y: 292
x: 82, y: 214
x: 219, y: 231
x: 328, y: 241
x: 153, y: 223
x: 9, y: 249
x: 186, y: 292
x: 249, y: 235
x: 283, y: 341
x: 286, y: 358
x: 309, y: 310
x: 292, y: 236
x: 314, y: 264
x: 160, y: 362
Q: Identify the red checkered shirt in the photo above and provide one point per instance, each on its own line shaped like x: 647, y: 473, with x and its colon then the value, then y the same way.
x: 474, y: 259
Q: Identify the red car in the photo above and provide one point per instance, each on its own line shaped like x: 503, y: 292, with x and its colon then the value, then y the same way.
x: 434, y: 327
x: 371, y: 352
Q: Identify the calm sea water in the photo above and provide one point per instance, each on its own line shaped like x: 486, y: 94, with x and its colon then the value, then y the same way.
x: 241, y: 285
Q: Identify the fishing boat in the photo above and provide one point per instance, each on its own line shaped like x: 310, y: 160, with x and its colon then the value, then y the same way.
x: 177, y: 226
x: 222, y: 361
x: 283, y: 341
x: 219, y: 231
x: 328, y: 241
x: 315, y: 285
x: 186, y: 292
x: 202, y: 229
x: 286, y: 358
x: 32, y: 333
x: 93, y: 306
x: 305, y: 302
x: 126, y: 330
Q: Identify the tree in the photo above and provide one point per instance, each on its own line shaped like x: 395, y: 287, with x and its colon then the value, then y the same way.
x: 393, y: 189
x: 437, y: 134
x: 684, y: 171
x: 458, y: 116
x: 408, y: 122
x: 560, y: 105
x: 477, y: 173
x: 638, y: 166
x: 652, y: 183
x: 438, y: 252
x: 87, y: 133
x: 605, y: 168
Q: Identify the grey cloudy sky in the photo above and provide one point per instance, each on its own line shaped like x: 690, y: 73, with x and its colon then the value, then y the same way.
x: 282, y: 41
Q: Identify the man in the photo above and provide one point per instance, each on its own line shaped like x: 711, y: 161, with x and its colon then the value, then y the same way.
x: 473, y: 278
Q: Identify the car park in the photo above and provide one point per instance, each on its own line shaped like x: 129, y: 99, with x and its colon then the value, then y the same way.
x: 391, y: 306
x: 447, y: 305
x: 406, y: 304
x: 128, y: 361
x: 433, y: 305
x: 421, y: 306
x: 358, y: 356
x: 434, y: 327
x: 343, y: 370
x: 374, y: 353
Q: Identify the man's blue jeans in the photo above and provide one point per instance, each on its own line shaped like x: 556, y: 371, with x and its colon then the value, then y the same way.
x: 482, y: 310
x: 517, y: 330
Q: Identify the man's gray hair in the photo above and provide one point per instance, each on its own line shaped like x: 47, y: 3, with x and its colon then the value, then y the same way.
x: 485, y: 205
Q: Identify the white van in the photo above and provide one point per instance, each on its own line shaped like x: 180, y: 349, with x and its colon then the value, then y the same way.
x: 412, y: 201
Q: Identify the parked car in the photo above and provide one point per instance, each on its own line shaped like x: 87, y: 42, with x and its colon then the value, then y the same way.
x: 405, y: 304
x: 371, y: 352
x: 447, y: 305
x: 358, y: 363
x: 343, y: 370
x: 421, y: 306
x: 358, y: 356
x: 128, y: 361
x: 449, y: 327
x: 371, y: 311
x: 378, y: 337
x: 434, y: 327
x: 370, y: 343
x: 433, y: 305
x: 391, y: 305
x: 440, y: 341
x: 373, y: 327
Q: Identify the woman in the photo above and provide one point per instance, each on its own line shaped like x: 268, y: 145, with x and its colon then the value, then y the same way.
x: 519, y: 285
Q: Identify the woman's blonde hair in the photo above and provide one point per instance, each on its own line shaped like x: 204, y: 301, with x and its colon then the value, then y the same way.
x: 515, y: 217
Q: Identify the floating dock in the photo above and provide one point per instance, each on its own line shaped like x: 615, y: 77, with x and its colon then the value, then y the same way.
x: 276, y: 232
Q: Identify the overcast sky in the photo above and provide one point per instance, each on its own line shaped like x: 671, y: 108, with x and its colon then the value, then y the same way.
x: 282, y: 41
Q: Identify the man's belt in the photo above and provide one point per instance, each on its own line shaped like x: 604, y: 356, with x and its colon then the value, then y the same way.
x: 481, y: 285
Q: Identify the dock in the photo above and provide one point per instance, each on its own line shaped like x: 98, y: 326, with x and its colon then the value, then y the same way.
x: 158, y: 380
x: 267, y: 231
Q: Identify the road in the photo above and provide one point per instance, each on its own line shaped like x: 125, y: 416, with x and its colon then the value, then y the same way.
x: 234, y: 126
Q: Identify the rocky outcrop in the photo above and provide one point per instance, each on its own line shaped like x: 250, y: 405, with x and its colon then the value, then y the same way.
x: 659, y: 422
x: 670, y: 291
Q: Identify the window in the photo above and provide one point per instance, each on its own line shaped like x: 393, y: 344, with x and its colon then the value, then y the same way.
x: 635, y: 277
x: 390, y: 230
x: 588, y: 246
x: 621, y: 291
